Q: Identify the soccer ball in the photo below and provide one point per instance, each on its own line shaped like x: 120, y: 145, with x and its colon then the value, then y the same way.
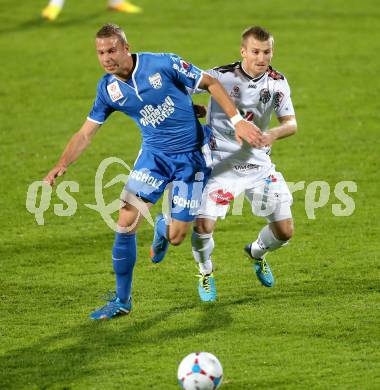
x: 200, y: 371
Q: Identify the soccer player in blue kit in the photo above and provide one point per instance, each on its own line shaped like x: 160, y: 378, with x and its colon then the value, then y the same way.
x: 151, y: 89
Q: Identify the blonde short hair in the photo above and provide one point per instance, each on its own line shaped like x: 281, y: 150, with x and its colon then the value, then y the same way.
x: 256, y: 32
x: 110, y: 30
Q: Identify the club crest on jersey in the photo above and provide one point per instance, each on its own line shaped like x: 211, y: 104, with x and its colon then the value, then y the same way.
x: 265, y: 95
x: 155, y: 81
x: 235, y: 92
x: 114, y: 91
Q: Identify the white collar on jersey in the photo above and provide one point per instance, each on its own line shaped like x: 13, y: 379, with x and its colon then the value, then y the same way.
x: 254, y: 79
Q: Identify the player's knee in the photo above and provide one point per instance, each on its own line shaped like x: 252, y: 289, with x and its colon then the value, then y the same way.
x: 176, y: 238
x: 283, y: 230
x: 204, y: 226
x: 128, y: 219
x: 286, y: 232
x: 126, y: 227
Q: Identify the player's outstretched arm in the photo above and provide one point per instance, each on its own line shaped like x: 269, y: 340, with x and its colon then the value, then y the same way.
x: 77, y: 144
x: 288, y: 127
x: 243, y: 129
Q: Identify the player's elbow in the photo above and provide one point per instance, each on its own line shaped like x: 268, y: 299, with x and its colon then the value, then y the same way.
x: 207, y: 82
x: 88, y: 130
x: 292, y: 126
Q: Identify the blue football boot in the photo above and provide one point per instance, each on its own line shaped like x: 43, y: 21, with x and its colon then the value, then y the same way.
x: 159, y: 245
x: 262, y: 269
x: 206, y: 287
x: 113, y: 308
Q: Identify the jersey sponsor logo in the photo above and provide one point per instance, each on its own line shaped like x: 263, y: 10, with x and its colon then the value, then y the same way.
x: 184, y: 64
x: 154, y: 116
x: 245, y: 167
x: 221, y: 197
x: 185, y: 203
x: 155, y: 81
x: 252, y: 86
x: 144, y: 177
x: 114, y: 91
x: 277, y: 99
x: 185, y: 71
x: 265, y: 95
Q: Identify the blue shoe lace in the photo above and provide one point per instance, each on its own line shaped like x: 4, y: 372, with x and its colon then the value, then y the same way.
x: 160, y: 244
x: 113, y: 306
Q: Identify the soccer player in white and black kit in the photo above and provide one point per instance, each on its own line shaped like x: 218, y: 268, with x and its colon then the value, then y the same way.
x: 257, y: 91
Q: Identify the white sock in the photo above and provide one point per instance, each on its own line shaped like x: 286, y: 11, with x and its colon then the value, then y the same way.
x: 114, y: 2
x: 58, y: 3
x: 203, y: 245
x: 206, y: 267
x: 266, y: 242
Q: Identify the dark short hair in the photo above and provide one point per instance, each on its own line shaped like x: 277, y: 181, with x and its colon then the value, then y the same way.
x: 110, y: 30
x: 256, y: 32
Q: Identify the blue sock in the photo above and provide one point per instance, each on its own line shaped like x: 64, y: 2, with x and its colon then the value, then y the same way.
x: 124, y: 259
x: 161, y: 227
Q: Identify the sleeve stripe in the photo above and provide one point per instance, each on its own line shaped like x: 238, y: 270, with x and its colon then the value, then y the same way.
x: 199, y: 81
x: 93, y: 120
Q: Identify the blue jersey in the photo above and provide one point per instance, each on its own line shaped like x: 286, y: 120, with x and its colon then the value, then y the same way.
x: 156, y: 98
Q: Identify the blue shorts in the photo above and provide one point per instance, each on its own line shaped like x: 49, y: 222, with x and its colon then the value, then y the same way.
x: 188, y: 172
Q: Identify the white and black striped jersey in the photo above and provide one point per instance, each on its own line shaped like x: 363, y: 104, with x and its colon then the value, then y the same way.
x: 256, y: 99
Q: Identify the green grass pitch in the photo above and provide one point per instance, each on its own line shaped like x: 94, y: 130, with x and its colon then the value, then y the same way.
x: 317, y: 329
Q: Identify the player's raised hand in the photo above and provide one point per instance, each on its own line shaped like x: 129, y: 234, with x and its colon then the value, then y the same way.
x: 58, y: 170
x: 247, y: 131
